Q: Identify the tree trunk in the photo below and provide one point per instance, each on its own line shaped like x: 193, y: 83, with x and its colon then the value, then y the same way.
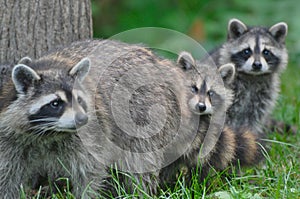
x: 32, y: 27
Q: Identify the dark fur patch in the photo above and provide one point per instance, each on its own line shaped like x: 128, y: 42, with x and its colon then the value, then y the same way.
x: 48, y: 111
x: 256, y: 47
x: 216, y: 99
x: 241, y: 57
x: 203, y: 88
x: 272, y: 60
x: 248, y: 148
x: 46, y: 86
x: 225, y: 150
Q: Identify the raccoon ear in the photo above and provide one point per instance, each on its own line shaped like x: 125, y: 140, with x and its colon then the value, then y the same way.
x: 236, y: 28
x: 279, y: 31
x: 227, y: 72
x: 25, y: 60
x: 186, y: 60
x: 23, y: 77
x: 81, y: 69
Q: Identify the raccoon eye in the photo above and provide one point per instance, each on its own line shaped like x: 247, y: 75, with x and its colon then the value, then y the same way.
x: 56, y: 104
x: 79, y: 99
x: 210, y: 93
x: 82, y: 103
x: 266, y: 52
x: 194, y: 89
x: 247, y: 51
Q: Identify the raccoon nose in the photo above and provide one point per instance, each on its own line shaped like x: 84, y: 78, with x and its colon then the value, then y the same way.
x: 201, y: 106
x: 256, y: 65
x: 81, y: 119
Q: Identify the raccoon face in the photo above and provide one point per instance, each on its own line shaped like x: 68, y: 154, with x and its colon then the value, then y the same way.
x: 201, y: 102
x: 207, y: 91
x: 255, y: 50
x: 53, y: 100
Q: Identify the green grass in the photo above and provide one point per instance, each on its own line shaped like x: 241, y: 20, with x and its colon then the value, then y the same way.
x: 277, y: 177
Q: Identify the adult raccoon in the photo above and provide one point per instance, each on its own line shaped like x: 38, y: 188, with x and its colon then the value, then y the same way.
x: 40, y: 113
x: 139, y: 103
x: 260, y: 56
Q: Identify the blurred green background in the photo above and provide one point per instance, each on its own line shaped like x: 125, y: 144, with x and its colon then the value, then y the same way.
x: 206, y: 22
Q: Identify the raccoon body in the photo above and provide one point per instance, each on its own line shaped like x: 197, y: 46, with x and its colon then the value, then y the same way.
x: 131, y: 85
x: 128, y: 111
x: 139, y: 101
x: 260, y: 56
x: 42, y: 106
x: 209, y: 98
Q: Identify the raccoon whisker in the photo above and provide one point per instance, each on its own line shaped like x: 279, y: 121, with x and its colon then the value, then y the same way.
x: 43, y: 132
x: 40, y: 130
x: 43, y: 117
x: 36, y: 134
x: 44, y: 120
x: 39, y: 134
x: 43, y: 125
x: 47, y: 123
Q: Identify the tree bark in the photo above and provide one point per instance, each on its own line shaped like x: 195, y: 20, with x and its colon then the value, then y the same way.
x: 32, y: 27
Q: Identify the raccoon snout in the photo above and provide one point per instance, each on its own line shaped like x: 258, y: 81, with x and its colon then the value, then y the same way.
x: 201, y: 107
x: 256, y: 65
x: 81, y: 119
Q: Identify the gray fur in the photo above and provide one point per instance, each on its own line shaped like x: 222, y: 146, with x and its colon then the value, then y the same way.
x: 81, y: 69
x: 136, y: 122
x: 23, y: 77
x: 255, y: 92
x: 30, y: 155
x: 225, y: 146
x: 130, y: 120
x: 206, y: 145
x: 116, y: 120
x: 236, y: 28
x: 115, y: 66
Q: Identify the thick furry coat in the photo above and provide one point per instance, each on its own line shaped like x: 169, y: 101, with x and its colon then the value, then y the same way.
x: 260, y: 56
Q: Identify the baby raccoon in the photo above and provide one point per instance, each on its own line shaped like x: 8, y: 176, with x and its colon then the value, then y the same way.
x: 42, y: 106
x: 209, y: 98
x: 259, y: 56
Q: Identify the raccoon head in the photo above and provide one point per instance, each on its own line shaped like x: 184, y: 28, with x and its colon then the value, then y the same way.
x: 255, y: 50
x: 52, y: 100
x: 207, y: 88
